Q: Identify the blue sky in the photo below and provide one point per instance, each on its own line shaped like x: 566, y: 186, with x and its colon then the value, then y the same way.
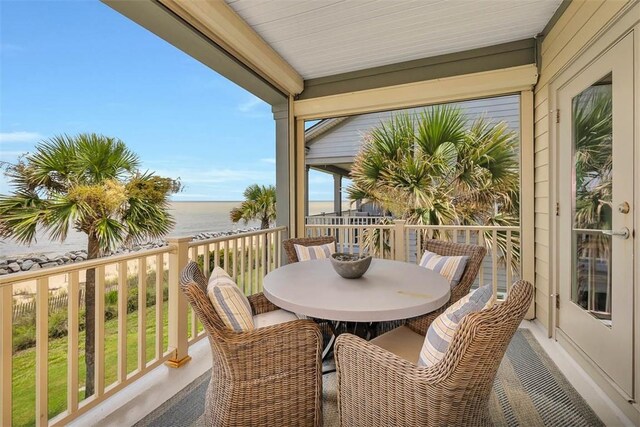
x: 78, y: 66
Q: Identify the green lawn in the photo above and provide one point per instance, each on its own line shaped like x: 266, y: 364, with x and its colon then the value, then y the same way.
x: 23, y: 402
x: 24, y: 366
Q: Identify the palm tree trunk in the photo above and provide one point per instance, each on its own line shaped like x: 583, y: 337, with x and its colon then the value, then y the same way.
x: 90, y: 327
x: 265, y: 223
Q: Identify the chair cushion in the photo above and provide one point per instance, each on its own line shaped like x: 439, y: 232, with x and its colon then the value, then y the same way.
x: 274, y: 317
x: 440, y: 333
x: 402, y: 342
x: 229, y: 302
x: 306, y: 253
x: 451, y: 267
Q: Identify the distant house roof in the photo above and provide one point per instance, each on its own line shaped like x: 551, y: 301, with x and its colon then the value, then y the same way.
x: 332, y: 144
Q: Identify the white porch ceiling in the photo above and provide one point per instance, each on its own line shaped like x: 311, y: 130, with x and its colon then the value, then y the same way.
x: 326, y: 37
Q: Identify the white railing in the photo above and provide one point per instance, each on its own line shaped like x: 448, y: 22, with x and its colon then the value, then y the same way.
x: 343, y: 220
x: 140, y: 325
x: 402, y: 242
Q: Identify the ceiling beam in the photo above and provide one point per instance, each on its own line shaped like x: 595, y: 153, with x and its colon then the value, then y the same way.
x: 430, y: 92
x: 503, y: 55
x: 217, y: 21
x: 330, y: 169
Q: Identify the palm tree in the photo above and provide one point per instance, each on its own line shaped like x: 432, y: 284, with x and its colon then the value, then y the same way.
x: 435, y: 170
x: 259, y: 203
x: 91, y: 183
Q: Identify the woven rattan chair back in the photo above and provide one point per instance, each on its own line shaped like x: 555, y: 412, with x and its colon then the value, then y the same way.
x: 471, y: 362
x: 474, y: 252
x: 262, y: 377
x: 193, y: 284
x: 304, y: 241
x: 476, y: 256
x: 377, y: 388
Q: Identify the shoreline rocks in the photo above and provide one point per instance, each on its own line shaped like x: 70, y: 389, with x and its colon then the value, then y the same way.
x: 14, y: 264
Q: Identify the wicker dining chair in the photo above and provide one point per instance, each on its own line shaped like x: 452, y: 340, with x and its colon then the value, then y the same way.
x: 270, y: 376
x: 476, y: 255
x: 379, y: 388
x: 304, y: 241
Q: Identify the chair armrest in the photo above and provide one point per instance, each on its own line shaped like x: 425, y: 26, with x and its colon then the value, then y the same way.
x: 289, y: 347
x: 260, y: 304
x: 376, y: 387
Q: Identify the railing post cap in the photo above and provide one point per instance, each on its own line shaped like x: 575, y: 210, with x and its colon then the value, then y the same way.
x: 178, y: 239
x: 399, y: 221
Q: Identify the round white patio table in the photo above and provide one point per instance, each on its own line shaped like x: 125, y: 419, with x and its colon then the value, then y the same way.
x: 389, y: 290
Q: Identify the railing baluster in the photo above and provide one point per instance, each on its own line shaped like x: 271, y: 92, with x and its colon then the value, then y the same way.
x: 250, y: 264
x: 216, y: 256
x: 263, y: 259
x: 509, y: 261
x: 206, y: 261
x: 6, y: 348
x: 42, y: 353
x: 494, y: 262
x: 123, y: 295
x: 159, y: 305
x: 226, y: 256
x: 269, y: 238
x: 481, y: 273
x: 242, y: 265
x: 99, y: 380
x: 73, y: 309
x: 278, y: 245
x: 142, y: 313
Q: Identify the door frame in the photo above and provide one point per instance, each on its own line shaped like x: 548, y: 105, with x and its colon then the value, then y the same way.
x: 627, y: 23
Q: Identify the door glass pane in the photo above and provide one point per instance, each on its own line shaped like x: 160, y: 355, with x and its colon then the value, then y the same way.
x: 592, y: 188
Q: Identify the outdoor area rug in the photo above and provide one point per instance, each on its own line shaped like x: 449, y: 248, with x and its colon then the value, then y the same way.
x: 529, y: 391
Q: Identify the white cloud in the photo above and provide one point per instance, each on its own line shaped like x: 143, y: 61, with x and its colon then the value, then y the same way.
x: 19, y: 136
x: 269, y: 160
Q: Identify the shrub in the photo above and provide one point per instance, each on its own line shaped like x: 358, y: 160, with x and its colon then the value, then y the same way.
x: 58, y: 325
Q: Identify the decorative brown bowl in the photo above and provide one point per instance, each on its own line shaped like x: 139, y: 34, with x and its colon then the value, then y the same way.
x: 350, y: 266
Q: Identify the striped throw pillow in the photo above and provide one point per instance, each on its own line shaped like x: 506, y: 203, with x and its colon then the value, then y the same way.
x: 307, y: 253
x: 440, y: 333
x: 229, y: 302
x: 451, y: 267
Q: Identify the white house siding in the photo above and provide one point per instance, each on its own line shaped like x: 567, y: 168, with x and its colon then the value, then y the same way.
x: 343, y: 141
x: 578, y: 25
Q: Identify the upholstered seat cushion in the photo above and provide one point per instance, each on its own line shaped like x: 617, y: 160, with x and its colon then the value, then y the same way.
x: 402, y: 342
x: 307, y: 253
x: 450, y: 267
x: 229, y: 302
x: 274, y: 317
x: 440, y: 333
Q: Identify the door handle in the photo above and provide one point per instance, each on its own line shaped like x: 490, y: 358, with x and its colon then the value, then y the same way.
x: 624, y: 233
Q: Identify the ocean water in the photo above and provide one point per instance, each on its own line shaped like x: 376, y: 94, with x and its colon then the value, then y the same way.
x: 191, y: 218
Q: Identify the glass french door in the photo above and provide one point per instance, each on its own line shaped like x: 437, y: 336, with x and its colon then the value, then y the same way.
x: 595, y: 195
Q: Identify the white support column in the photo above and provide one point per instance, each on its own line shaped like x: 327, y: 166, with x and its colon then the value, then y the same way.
x: 307, y: 168
x: 527, y: 185
x: 283, y: 178
x: 337, y: 194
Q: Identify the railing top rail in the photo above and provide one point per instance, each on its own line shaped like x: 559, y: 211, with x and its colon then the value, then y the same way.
x: 343, y: 216
x: 9, y: 279
x: 234, y: 236
x: 363, y: 226
x: 464, y: 227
